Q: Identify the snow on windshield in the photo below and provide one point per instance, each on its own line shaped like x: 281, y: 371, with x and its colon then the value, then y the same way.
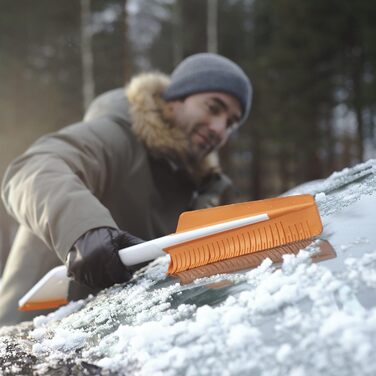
x: 302, y: 318
x: 341, y: 188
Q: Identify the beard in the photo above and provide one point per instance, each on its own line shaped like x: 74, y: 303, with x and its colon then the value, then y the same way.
x: 201, y: 142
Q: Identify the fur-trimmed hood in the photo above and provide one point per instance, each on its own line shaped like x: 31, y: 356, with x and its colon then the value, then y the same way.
x: 149, y: 114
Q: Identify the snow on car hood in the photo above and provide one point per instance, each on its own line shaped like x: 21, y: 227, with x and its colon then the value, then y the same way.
x: 302, y: 318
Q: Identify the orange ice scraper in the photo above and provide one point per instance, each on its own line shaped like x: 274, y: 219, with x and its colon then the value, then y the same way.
x: 203, y: 237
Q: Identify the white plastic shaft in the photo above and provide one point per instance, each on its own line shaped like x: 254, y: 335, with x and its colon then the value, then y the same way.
x: 152, y: 249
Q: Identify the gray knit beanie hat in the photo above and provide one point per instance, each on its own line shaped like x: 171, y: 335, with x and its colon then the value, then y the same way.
x: 210, y: 72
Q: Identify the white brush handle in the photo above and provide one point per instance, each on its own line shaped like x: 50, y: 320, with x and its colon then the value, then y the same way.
x: 152, y: 249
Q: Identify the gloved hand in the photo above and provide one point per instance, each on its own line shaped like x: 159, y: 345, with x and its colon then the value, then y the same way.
x: 94, y: 260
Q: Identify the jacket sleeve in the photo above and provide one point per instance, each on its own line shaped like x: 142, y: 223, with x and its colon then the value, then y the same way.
x: 55, y: 187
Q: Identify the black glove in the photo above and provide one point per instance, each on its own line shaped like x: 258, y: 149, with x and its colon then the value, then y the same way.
x: 94, y: 260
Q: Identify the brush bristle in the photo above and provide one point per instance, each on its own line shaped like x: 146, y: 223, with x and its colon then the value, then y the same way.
x: 253, y: 260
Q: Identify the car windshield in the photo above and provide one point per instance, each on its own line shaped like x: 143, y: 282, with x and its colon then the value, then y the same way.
x: 296, y: 317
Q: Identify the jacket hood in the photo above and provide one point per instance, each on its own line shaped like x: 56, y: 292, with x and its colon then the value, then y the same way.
x: 112, y: 103
x: 142, y: 106
x: 149, y: 114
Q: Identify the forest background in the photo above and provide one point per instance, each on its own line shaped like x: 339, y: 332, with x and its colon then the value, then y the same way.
x: 312, y: 64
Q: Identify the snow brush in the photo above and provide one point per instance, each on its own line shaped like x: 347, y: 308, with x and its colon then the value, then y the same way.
x: 203, y: 237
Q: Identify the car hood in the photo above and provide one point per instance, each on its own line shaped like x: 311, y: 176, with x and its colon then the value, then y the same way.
x: 296, y: 318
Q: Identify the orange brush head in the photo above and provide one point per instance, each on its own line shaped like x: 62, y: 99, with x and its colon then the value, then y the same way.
x: 291, y: 219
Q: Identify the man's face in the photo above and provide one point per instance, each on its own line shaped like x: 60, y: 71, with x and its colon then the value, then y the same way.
x: 207, y: 119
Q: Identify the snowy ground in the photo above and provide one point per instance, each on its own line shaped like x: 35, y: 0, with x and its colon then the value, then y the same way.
x: 300, y: 319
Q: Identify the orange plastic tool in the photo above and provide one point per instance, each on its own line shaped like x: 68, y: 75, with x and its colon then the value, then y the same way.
x: 291, y: 219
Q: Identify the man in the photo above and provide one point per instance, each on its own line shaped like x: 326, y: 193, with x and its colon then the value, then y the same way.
x: 138, y: 159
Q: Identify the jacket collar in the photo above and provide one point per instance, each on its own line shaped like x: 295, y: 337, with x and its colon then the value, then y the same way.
x: 148, y: 111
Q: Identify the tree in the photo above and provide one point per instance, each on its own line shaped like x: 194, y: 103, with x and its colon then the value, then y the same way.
x: 88, y: 84
x: 212, y: 26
